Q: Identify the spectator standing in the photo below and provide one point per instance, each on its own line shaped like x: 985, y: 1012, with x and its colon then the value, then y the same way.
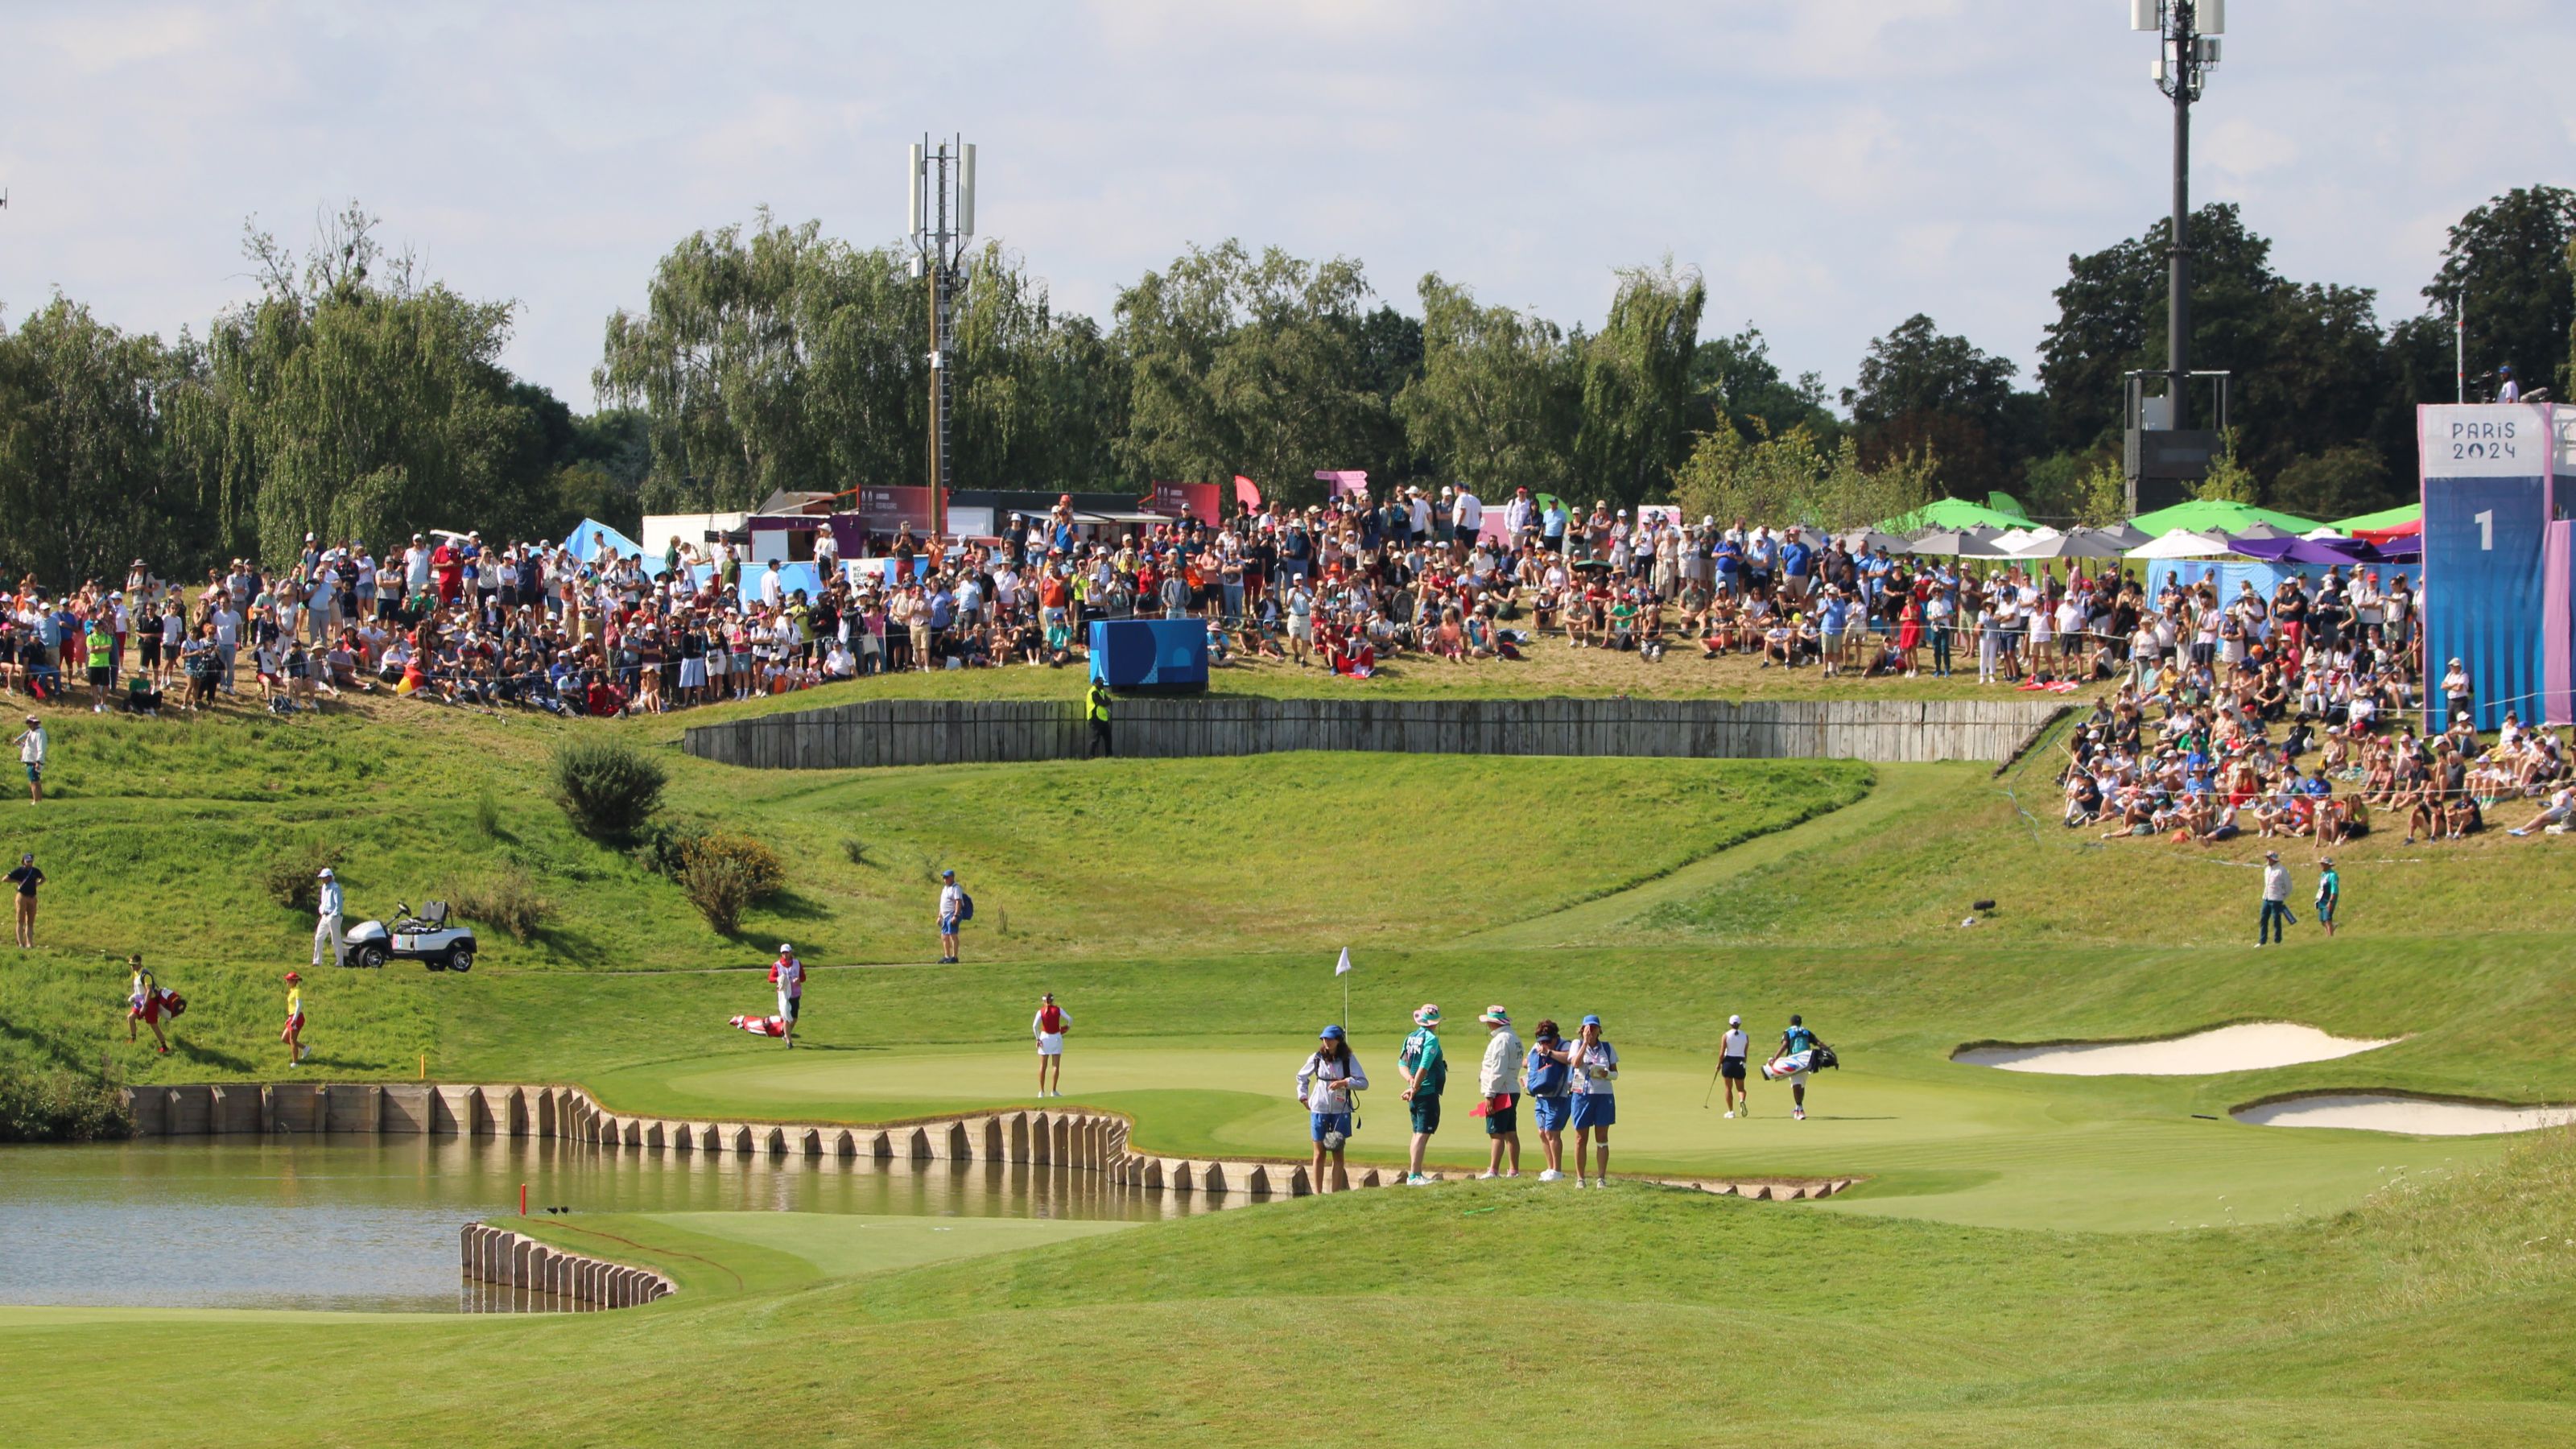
x: 2274, y: 928
x: 2457, y: 693
x: 26, y: 878
x: 1496, y: 1078
x: 1324, y: 1087
x: 1596, y: 1076
x: 952, y: 909
x: 1048, y: 1027
x: 1548, y: 1074
x: 31, y: 753
x: 1425, y: 1072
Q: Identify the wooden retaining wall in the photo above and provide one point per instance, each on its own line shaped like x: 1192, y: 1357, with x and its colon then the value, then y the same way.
x: 514, y: 1260
x: 1070, y: 1139
x: 955, y: 732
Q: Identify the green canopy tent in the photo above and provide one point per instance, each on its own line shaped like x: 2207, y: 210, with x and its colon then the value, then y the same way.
x: 2385, y: 518
x: 2210, y: 515
x: 1954, y: 513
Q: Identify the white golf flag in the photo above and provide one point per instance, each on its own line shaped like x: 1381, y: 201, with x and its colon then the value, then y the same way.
x: 1343, y: 968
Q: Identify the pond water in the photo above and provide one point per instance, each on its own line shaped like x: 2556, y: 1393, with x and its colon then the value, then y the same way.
x: 370, y: 1223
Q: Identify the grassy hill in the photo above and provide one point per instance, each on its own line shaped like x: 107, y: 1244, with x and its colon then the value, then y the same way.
x: 2028, y: 1259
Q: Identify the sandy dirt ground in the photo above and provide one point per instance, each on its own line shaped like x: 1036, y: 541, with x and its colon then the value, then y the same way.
x: 2251, y: 1046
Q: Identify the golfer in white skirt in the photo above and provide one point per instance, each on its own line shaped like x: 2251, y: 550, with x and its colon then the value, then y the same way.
x: 1048, y: 1027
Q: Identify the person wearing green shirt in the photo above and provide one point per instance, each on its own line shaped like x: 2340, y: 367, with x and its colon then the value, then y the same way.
x: 1425, y: 1073
x: 2329, y: 894
x: 102, y: 661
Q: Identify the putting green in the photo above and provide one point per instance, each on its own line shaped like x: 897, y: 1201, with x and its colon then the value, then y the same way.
x: 1940, y: 1141
x: 843, y: 1245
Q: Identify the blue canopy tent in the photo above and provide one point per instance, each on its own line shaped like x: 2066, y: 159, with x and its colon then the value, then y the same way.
x: 592, y: 538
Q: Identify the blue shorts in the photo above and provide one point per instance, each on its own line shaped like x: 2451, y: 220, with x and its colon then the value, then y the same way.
x: 1595, y: 1111
x: 35, y: 772
x: 1331, y: 1122
x: 1551, y: 1112
x: 2325, y: 912
x: 948, y: 925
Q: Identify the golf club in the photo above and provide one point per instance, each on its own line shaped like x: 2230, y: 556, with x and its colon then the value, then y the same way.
x: 1712, y: 1084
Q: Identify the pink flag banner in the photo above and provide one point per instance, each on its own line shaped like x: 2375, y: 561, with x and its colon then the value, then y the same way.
x: 1247, y: 493
x: 1344, y: 482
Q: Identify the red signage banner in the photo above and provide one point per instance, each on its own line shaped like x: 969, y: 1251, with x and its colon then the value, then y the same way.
x: 1182, y: 500
x: 886, y: 509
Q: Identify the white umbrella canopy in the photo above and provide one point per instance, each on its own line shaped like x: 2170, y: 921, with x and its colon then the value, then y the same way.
x: 2011, y: 539
x: 2082, y: 543
x: 2183, y: 543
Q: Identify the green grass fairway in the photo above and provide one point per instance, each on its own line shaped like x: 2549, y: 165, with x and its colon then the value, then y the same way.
x: 2032, y: 1259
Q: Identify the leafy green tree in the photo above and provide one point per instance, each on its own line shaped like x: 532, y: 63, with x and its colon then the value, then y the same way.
x: 1038, y: 399
x: 362, y: 402
x: 1638, y: 402
x: 2227, y: 480
x: 784, y: 359
x: 1921, y: 392
x: 2344, y: 480
x: 1794, y: 477
x: 93, y: 459
x: 1237, y: 364
x: 2510, y: 266
x: 1495, y: 405
x: 1741, y: 387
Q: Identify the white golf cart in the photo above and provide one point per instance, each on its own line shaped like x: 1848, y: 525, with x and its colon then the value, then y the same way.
x: 427, y: 938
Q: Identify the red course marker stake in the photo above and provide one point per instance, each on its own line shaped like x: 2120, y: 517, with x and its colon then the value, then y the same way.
x: 523, y: 1199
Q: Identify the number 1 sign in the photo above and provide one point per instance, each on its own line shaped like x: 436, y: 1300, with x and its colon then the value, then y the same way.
x: 2487, y: 480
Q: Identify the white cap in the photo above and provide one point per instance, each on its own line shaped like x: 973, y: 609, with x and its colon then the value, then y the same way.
x: 323, y: 874
x: 784, y: 949
x: 1735, y: 1021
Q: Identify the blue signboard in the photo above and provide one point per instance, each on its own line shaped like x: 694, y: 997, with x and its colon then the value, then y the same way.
x: 2486, y: 520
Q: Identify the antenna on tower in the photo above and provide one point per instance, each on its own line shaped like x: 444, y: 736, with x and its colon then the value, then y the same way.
x: 940, y: 208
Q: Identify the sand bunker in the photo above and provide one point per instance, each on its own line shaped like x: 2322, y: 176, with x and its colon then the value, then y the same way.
x: 2415, y: 1116
x: 2245, y: 1048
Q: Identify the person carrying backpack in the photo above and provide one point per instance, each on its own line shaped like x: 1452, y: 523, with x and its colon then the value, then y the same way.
x: 1324, y: 1087
x: 1797, y: 1044
x: 1426, y: 1073
x: 1547, y: 1076
x: 955, y: 907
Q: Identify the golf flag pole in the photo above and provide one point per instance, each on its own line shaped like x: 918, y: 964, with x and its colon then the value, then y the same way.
x: 1342, y: 969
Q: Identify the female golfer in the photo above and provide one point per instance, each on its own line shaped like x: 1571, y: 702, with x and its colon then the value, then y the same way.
x: 1548, y: 1077
x: 1048, y: 1027
x: 143, y: 1003
x: 1596, y: 1069
x: 293, y: 1035
x: 1324, y: 1087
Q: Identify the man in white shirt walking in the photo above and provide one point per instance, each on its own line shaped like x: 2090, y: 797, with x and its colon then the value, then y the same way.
x: 788, y: 974
x: 327, y: 929
x: 31, y: 753
x: 2274, y: 928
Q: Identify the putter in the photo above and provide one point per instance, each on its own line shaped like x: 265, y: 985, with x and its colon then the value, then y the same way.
x: 1712, y: 1084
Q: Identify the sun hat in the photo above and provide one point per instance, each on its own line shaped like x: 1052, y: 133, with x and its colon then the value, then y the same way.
x: 1496, y: 1016
x: 1426, y: 1015
x: 1330, y: 1033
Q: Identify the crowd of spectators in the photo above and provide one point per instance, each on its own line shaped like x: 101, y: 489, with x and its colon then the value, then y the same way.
x: 1340, y: 587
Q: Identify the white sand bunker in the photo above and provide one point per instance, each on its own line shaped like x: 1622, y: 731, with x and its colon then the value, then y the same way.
x: 2414, y: 1116
x: 2248, y: 1047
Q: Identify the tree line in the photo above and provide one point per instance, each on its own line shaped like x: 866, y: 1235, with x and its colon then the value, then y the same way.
x: 354, y: 397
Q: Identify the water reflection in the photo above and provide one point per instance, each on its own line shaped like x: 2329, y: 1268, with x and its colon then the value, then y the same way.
x: 359, y: 1222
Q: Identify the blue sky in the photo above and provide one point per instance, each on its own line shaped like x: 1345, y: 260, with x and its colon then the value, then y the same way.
x: 1831, y: 166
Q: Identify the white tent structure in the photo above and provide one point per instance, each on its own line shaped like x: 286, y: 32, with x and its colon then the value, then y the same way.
x: 2183, y: 543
